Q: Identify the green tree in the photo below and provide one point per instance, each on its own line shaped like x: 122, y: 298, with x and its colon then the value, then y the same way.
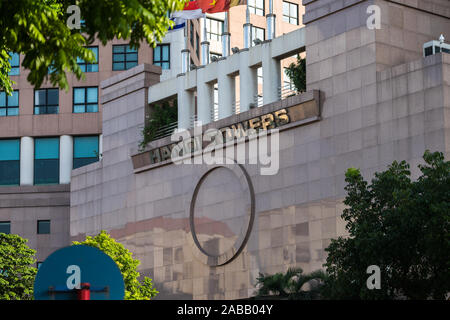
x: 38, y: 29
x: 291, y: 285
x: 134, y: 289
x: 297, y: 73
x: 400, y: 225
x: 16, y: 270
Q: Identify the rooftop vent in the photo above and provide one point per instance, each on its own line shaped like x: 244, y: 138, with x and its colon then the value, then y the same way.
x: 435, y: 46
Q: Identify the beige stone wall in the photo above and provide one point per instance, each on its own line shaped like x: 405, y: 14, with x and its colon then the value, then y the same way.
x: 25, y: 205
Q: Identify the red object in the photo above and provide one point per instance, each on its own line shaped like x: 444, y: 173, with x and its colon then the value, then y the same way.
x: 213, y: 6
x: 84, y: 293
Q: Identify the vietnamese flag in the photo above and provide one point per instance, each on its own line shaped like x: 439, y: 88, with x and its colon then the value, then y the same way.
x: 214, y: 6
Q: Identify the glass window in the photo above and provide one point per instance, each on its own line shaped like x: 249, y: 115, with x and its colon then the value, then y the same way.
x: 5, y: 227
x: 9, y: 162
x: 258, y: 33
x: 124, y: 57
x: 43, y: 227
x: 85, y: 99
x: 9, y: 105
x: 14, y: 61
x: 46, y: 161
x: 214, y: 29
x: 256, y: 7
x: 46, y: 101
x: 161, y: 56
x: 290, y: 12
x: 89, y: 67
x: 85, y: 151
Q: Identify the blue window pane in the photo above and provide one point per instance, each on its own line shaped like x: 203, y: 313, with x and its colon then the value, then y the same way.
x: 118, y: 66
x: 9, y: 149
x: 165, y: 52
x: 157, y: 53
x: 95, y: 51
x: 129, y: 49
x: 10, y: 173
x: 53, y: 96
x: 15, y: 71
x: 43, y: 227
x: 2, y: 99
x: 2, y: 112
x: 13, y: 100
x: 79, y: 109
x: 131, y: 65
x: 13, y: 111
x: 39, y: 97
x: 119, y: 57
x: 92, y: 95
x: 78, y: 95
x: 52, y: 110
x: 46, y: 171
x: 92, y: 108
x: 46, y: 148
x: 118, y: 49
x: 5, y: 227
x: 165, y: 65
x: 85, y: 147
x: 83, y: 67
x: 91, y: 68
x: 15, y: 59
x: 132, y: 57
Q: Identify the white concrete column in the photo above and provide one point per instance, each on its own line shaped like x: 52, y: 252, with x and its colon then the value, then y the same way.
x: 205, y: 98
x: 248, y: 81
x: 227, y: 86
x: 186, y: 104
x: 65, y: 158
x: 271, y: 75
x: 26, y: 161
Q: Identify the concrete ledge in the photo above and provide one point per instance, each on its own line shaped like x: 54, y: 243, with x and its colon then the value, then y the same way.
x: 35, y: 189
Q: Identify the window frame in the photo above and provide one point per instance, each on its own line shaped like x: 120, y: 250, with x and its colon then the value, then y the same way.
x: 125, y: 55
x: 289, y: 17
x: 160, y: 62
x: 46, y: 102
x: 86, y: 64
x: 9, y: 225
x: 49, y: 226
x: 86, y: 103
x: 7, y: 107
x: 18, y: 179
x: 34, y: 161
x: 73, y: 151
x: 209, y: 32
x: 254, y: 28
x: 14, y: 67
x: 254, y: 9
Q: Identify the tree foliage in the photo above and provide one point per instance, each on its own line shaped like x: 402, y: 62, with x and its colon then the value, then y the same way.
x: 38, y: 29
x: 297, y: 73
x: 134, y: 289
x: 291, y: 285
x: 16, y: 271
x: 400, y: 225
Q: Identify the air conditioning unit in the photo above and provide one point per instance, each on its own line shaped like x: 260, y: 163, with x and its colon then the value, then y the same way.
x: 435, y: 46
